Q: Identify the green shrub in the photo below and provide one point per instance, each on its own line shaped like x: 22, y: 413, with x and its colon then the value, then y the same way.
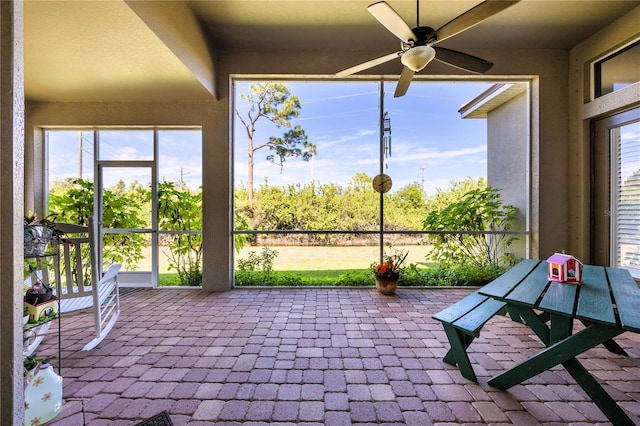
x: 477, y: 210
x: 256, y: 269
x: 75, y: 205
x: 413, y: 276
x: 456, y: 275
x: 181, y: 209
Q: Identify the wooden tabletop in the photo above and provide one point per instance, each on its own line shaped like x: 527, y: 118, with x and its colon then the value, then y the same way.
x: 607, y: 296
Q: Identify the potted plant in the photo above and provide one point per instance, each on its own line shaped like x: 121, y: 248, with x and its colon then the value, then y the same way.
x: 38, y: 233
x: 388, y: 272
x: 39, y: 291
x: 31, y: 365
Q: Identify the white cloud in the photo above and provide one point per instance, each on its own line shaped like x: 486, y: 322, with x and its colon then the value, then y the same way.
x: 324, y: 144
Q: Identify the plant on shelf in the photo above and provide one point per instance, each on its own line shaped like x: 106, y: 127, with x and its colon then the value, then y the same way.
x: 39, y: 291
x: 32, y: 364
x: 388, y: 272
x: 38, y: 233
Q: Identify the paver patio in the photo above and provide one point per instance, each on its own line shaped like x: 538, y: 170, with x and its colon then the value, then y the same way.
x: 316, y: 357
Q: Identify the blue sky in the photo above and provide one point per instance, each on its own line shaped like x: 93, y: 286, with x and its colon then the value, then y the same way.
x: 180, y: 153
x: 429, y: 139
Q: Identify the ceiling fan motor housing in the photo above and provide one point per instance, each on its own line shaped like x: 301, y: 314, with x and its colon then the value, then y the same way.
x: 425, y: 35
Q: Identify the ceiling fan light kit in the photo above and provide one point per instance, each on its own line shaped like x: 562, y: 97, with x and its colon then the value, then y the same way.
x: 416, y: 44
x: 418, y: 57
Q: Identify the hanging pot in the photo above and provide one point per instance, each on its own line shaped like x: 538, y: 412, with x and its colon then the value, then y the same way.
x: 36, y: 239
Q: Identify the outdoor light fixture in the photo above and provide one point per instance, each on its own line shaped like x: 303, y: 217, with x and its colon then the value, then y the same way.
x: 418, y: 57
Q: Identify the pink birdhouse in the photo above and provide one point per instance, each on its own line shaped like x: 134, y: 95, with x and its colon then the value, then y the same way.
x: 564, y: 268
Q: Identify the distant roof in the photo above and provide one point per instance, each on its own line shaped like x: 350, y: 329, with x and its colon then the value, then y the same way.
x: 492, y: 98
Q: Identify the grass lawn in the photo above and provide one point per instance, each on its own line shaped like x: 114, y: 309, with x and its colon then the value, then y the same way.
x: 322, y: 258
x: 292, y: 258
x: 309, y: 264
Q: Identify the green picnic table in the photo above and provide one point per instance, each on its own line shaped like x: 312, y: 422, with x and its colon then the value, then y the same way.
x: 606, y: 302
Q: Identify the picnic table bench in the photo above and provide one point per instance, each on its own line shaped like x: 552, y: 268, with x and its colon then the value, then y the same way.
x: 462, y: 322
x: 605, y: 302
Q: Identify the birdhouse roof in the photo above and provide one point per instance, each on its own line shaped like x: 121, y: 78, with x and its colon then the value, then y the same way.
x: 560, y: 258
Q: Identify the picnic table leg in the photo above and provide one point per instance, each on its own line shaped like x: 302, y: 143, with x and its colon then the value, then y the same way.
x: 562, y: 349
x: 534, y: 322
x: 561, y: 328
x: 556, y: 354
x: 605, y: 403
x: 459, y: 342
x: 450, y: 357
x: 537, y: 324
x: 615, y: 348
x: 611, y: 345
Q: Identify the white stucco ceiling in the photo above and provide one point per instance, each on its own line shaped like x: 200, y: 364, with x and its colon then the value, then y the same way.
x: 104, y: 51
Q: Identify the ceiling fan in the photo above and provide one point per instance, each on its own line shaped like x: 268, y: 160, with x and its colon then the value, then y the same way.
x: 417, y: 44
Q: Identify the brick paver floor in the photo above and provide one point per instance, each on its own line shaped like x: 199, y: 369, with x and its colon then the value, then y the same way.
x: 316, y: 357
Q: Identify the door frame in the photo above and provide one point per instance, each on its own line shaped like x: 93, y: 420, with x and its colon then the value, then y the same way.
x: 601, y: 181
x: 129, y: 278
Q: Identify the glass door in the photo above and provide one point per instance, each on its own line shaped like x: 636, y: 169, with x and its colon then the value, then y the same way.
x: 126, y: 198
x: 616, y: 191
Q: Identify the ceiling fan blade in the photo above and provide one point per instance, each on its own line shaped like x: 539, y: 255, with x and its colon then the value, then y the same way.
x: 471, y: 17
x: 392, y: 21
x: 462, y: 60
x: 404, y: 82
x: 369, y: 64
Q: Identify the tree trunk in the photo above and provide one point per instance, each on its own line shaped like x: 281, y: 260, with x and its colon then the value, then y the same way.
x: 250, y: 178
x: 250, y: 152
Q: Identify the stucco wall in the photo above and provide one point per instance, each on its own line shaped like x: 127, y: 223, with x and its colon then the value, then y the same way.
x: 582, y: 111
x: 508, y: 160
x: 11, y: 211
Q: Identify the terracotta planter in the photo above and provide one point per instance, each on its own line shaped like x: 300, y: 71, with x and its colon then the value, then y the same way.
x: 387, y: 285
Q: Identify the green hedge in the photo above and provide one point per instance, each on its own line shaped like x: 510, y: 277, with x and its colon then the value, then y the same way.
x: 414, y: 276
